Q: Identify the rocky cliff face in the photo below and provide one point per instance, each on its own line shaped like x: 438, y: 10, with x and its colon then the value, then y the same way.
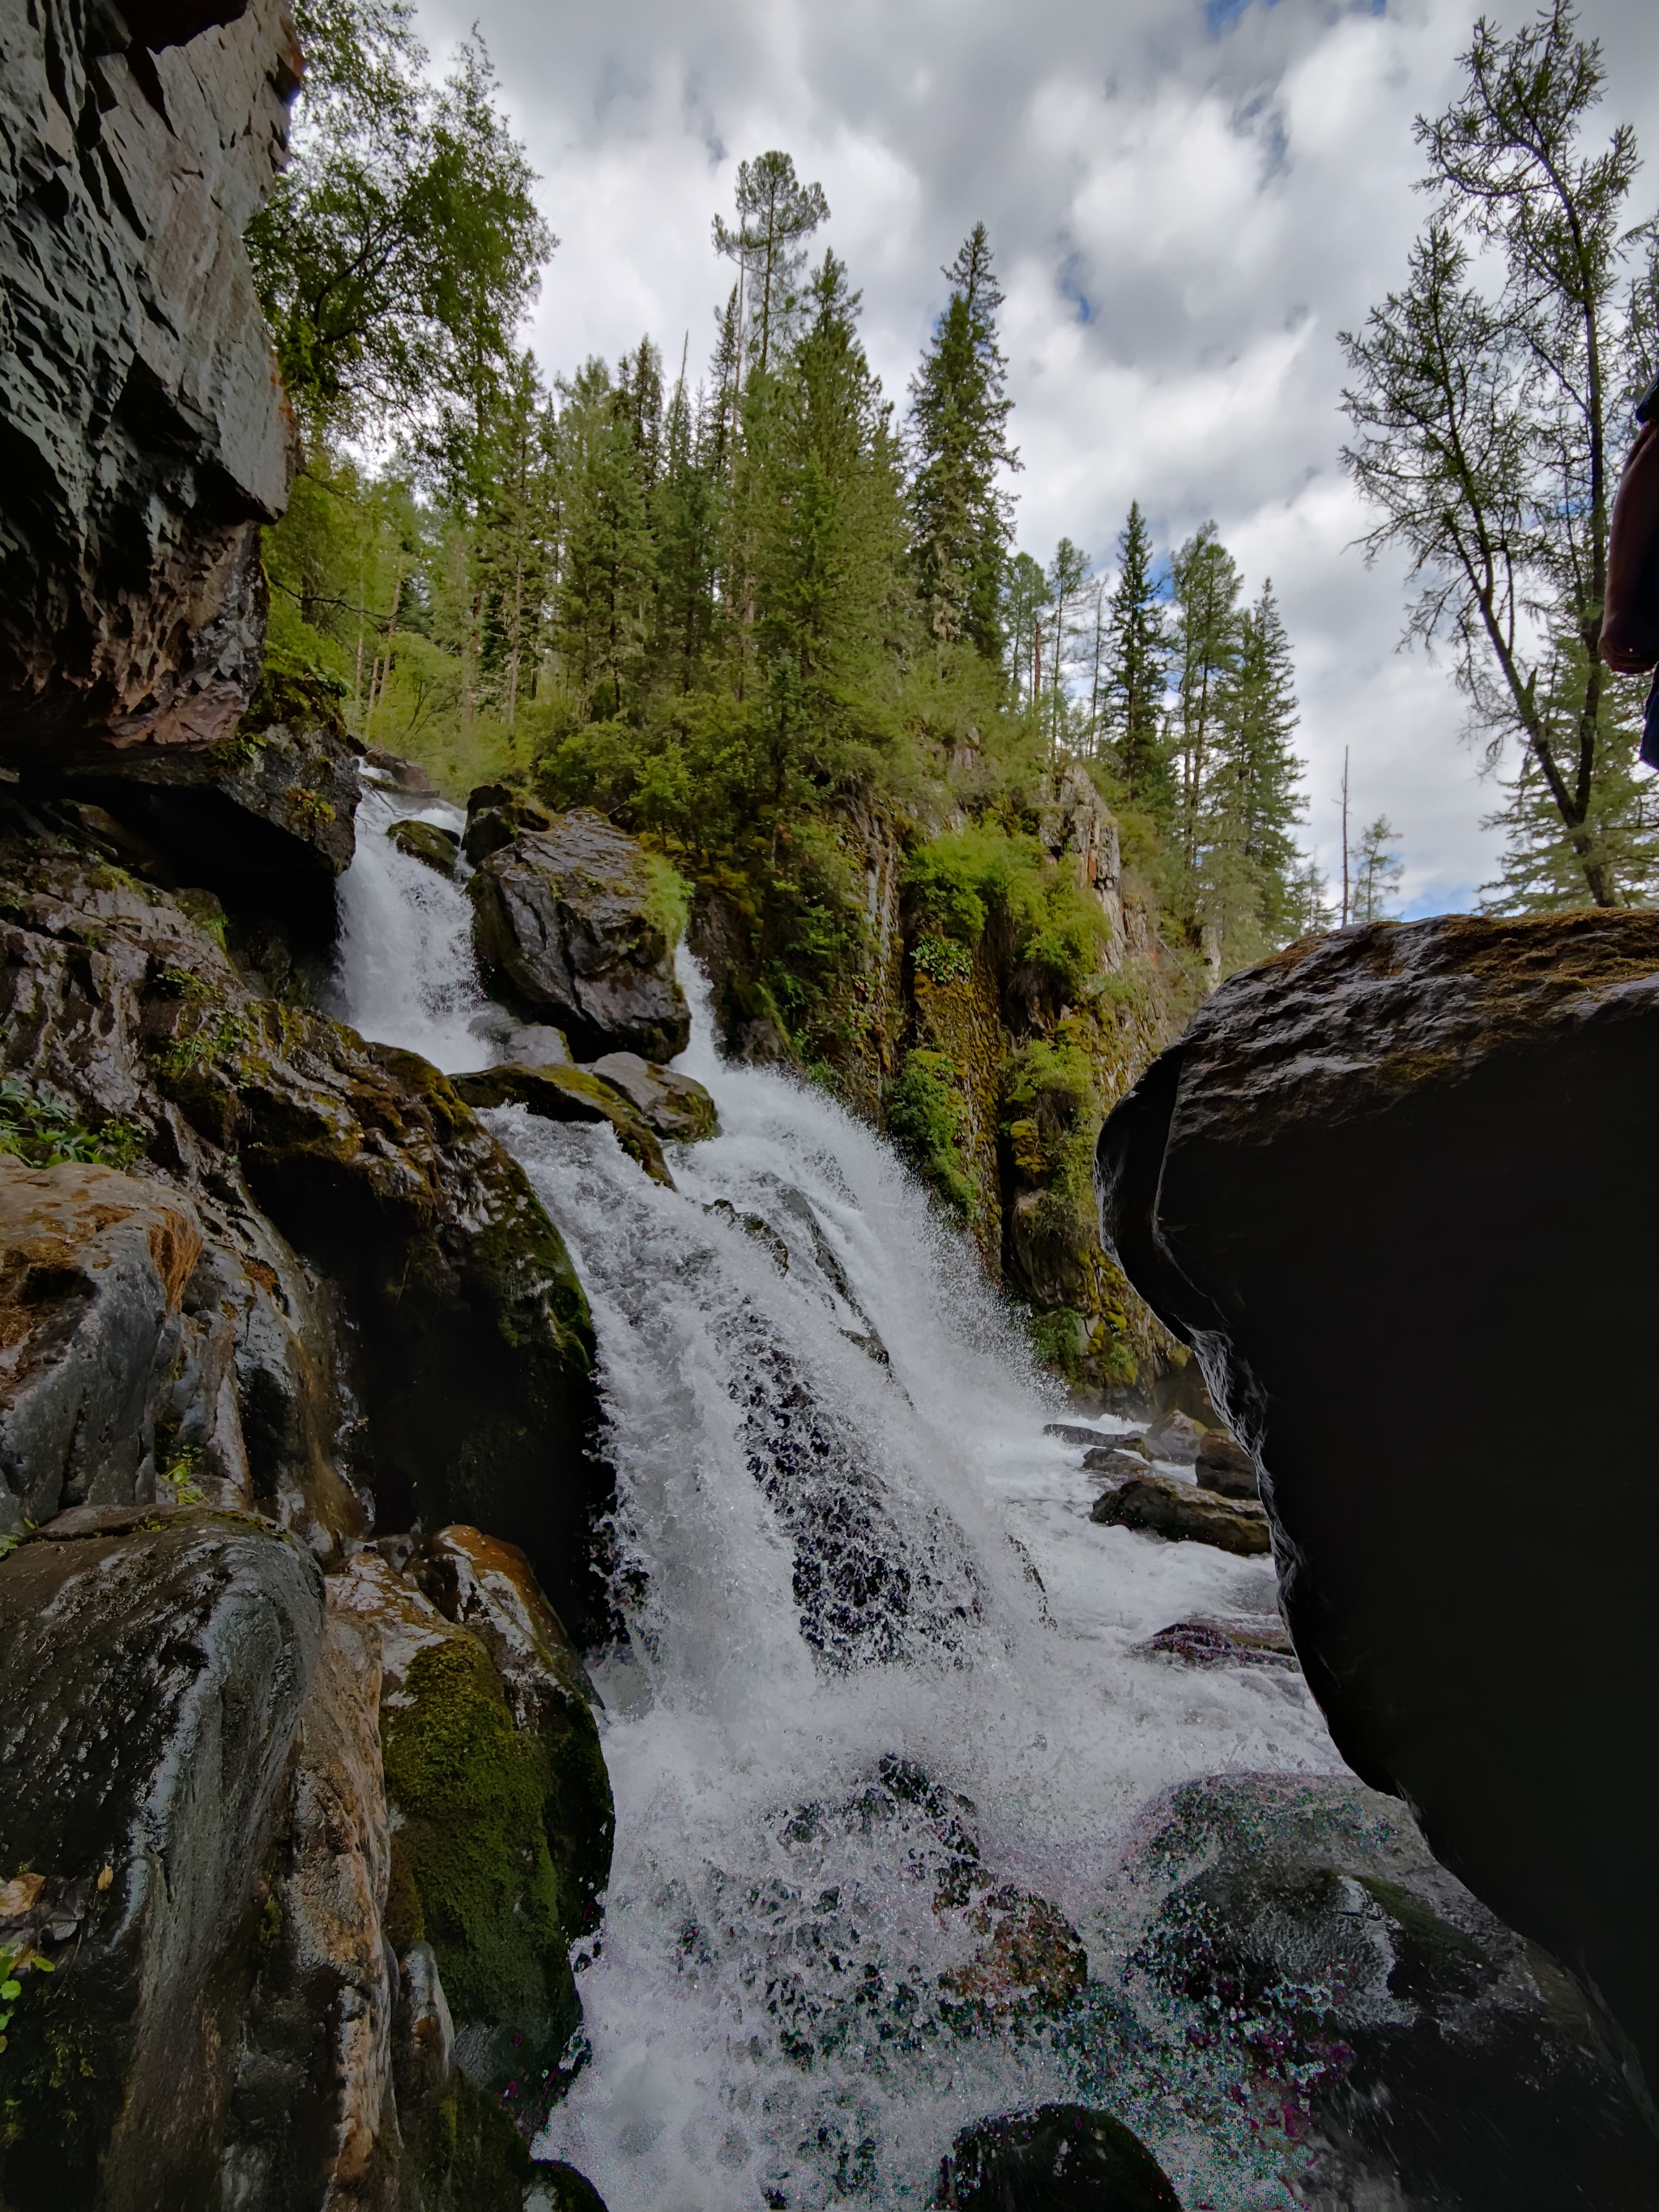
x: 304, y: 1802
x: 142, y: 428
x: 1384, y: 1185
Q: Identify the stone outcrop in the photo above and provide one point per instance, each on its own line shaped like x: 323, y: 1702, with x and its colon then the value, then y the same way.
x: 558, y: 1093
x: 143, y: 431
x: 152, y: 1672
x: 1182, y: 1512
x: 1059, y: 2158
x: 1373, y: 1186
x: 675, y: 1107
x: 566, y: 933
x: 1406, y: 2048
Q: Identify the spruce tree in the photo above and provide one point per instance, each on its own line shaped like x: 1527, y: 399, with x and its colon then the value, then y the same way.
x: 1207, y: 639
x: 609, y: 563
x: 1068, y: 572
x: 1137, y: 677
x: 1252, y: 800
x: 960, y: 517
x: 1376, y: 873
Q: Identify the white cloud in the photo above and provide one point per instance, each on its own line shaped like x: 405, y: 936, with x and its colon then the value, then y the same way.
x: 1183, y: 222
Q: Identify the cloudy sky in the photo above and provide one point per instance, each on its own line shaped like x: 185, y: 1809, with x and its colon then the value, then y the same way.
x: 1187, y: 202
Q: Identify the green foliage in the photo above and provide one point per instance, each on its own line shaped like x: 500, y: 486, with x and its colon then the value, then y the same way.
x: 36, y: 1128
x: 669, y: 901
x: 924, y: 1118
x: 959, y: 883
x: 1051, y: 1117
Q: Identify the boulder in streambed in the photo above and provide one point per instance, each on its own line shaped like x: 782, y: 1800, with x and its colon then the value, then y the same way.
x: 1407, y: 2049
x: 1175, y: 1436
x: 1380, y: 1182
x: 152, y: 1671
x: 557, y: 1093
x: 1059, y: 2158
x: 676, y: 1107
x: 1114, y: 1462
x: 1164, y: 1507
x: 1225, y: 1466
x: 569, y: 928
x: 1225, y: 1639
x: 428, y: 841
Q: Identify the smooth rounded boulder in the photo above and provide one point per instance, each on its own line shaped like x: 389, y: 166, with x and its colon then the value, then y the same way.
x: 1399, y: 1188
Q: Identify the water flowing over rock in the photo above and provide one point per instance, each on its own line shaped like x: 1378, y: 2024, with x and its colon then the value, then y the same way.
x: 1060, y: 2158
x: 565, y: 932
x: 1379, y: 1185
x: 143, y: 430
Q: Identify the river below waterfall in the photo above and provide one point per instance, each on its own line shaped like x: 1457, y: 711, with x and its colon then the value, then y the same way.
x: 860, y: 1586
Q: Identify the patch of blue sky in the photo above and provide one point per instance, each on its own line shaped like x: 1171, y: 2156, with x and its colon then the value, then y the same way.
x: 1441, y: 898
x: 1219, y: 14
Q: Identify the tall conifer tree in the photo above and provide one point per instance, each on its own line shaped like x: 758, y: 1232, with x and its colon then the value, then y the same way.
x: 1138, y: 676
x: 961, y: 521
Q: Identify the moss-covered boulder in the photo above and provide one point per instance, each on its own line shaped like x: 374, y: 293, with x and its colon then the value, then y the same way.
x: 428, y: 841
x: 556, y: 1093
x: 571, y: 927
x: 500, y: 1809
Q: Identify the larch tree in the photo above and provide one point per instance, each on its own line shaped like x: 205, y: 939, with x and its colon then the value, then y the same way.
x: 1487, y: 398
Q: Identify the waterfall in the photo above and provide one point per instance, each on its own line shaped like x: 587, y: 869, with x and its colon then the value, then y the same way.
x: 869, y: 1628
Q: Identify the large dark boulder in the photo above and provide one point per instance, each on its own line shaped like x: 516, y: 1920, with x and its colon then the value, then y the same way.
x: 1396, y: 1187
x: 1407, y: 2048
x: 567, y: 931
x: 144, y: 432
x: 1057, y: 2158
x: 152, y: 1671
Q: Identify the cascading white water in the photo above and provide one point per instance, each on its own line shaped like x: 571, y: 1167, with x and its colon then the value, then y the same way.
x: 859, y: 1585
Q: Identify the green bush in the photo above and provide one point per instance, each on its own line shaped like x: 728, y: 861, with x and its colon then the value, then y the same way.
x: 924, y: 1119
x: 956, y: 884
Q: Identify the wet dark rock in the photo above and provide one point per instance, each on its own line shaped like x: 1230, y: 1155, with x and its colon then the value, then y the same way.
x: 1073, y: 1432
x: 150, y: 1683
x: 397, y: 1312
x: 1165, y: 1507
x: 1358, y: 1144
x: 265, y: 818
x: 495, y: 814
x: 1415, y: 2052
x: 1114, y: 1462
x: 1225, y: 1466
x: 556, y: 2187
x: 676, y: 1107
x: 427, y: 841
x: 93, y: 1270
x: 391, y: 768
x: 565, y: 931
x: 1175, y: 1436
x: 1229, y: 1639
x: 558, y: 1093
x: 1059, y: 2158
x: 144, y: 432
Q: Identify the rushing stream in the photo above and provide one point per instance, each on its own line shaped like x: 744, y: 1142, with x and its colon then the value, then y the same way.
x: 861, y: 1586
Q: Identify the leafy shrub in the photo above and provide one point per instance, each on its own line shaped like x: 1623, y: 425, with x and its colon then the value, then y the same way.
x: 38, y: 1128
x: 957, y: 883
x: 924, y: 1118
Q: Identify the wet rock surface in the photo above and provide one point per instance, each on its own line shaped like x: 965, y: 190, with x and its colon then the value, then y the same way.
x: 428, y: 841
x: 1351, y: 1161
x: 559, y: 1093
x: 1227, y: 1639
x: 565, y: 933
x: 1060, y: 2158
x: 674, y: 1106
x: 1418, y: 2052
x: 1180, y: 1511
x: 144, y: 428
x: 151, y: 1679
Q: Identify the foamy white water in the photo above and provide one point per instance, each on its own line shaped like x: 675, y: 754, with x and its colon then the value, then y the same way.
x: 855, y: 1575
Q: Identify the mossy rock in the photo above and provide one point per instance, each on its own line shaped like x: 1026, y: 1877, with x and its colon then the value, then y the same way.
x: 426, y: 841
x: 471, y: 1794
x: 568, y: 1093
x: 464, y: 2153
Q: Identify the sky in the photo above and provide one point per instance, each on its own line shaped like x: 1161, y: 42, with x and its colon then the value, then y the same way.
x: 1187, y: 200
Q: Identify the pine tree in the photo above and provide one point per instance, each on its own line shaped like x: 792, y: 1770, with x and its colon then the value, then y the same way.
x: 1251, y: 797
x: 961, y: 518
x: 776, y: 216
x: 1207, y: 586
x: 609, y: 564
x: 1136, y: 679
x: 1376, y: 873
